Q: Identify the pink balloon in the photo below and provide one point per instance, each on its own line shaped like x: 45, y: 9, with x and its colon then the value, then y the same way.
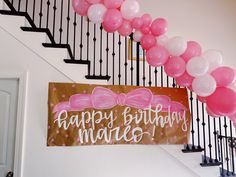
x: 80, y: 7
x: 157, y: 56
x: 211, y: 113
x: 93, y: 1
x: 159, y: 27
x: 193, y: 50
x: 145, y: 29
x: 112, y: 20
x: 137, y: 23
x: 125, y: 29
x: 148, y: 41
x: 185, y: 80
x: 224, y: 76
x: 175, y: 67
x: 202, y: 99
x: 147, y: 19
x: 222, y: 101
x: 113, y: 4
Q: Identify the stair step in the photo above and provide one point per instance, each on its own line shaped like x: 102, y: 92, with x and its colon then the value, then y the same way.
x: 42, y: 30
x: 73, y: 61
x: 15, y: 13
x: 207, y: 162
x: 97, y: 77
x: 10, y: 5
x: 67, y: 46
x: 191, y: 149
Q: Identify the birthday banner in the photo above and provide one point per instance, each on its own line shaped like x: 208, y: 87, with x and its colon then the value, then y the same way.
x: 81, y: 114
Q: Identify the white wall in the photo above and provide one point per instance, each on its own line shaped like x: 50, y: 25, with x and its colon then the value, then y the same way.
x: 97, y: 161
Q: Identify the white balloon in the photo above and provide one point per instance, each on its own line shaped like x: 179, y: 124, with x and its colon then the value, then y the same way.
x: 130, y: 9
x: 162, y: 40
x: 137, y: 36
x: 204, y: 85
x: 96, y: 13
x: 214, y: 59
x: 176, y: 46
x: 197, y: 66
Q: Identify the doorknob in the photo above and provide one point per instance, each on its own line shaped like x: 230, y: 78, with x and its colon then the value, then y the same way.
x: 9, y: 174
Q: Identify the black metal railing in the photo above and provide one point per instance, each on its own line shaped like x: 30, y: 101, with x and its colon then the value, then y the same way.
x: 121, y: 61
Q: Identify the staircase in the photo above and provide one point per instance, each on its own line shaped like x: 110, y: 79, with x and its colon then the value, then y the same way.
x: 75, y: 47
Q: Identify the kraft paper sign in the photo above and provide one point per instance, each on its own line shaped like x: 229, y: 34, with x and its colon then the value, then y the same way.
x: 80, y: 114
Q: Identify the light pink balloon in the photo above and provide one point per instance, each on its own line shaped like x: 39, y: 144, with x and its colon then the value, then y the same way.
x: 125, y: 29
x: 185, y: 80
x: 113, y: 4
x: 193, y: 50
x: 147, y: 19
x: 94, y: 1
x: 157, y: 56
x: 112, y: 20
x: 80, y: 7
x: 137, y: 23
x: 222, y: 101
x: 145, y: 29
x: 148, y: 41
x: 224, y: 76
x: 175, y: 67
x: 137, y: 36
x: 159, y: 27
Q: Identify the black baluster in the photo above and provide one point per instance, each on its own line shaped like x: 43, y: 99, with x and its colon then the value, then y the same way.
x: 167, y: 81
x: 126, y: 59
x: 173, y: 83
x: 226, y: 146
x: 113, y: 59
x: 131, y: 55
x: 155, y: 71
x: 232, y: 149
x: 107, y: 54
x: 101, y: 49
x: 54, y: 18
x: 94, y: 49
x: 19, y: 4
x: 215, y: 138
x: 48, y: 7
x: 162, y: 79
x: 81, y: 38
x: 138, y: 64
x: 74, y: 38
x: 150, y: 76
x: 68, y: 24
x: 61, y: 23
x: 209, y: 136
x: 26, y: 5
x: 144, y: 68
x: 119, y: 46
x: 198, y: 126
x: 41, y: 14
x: 221, y: 155
x: 204, y: 161
x: 33, y: 11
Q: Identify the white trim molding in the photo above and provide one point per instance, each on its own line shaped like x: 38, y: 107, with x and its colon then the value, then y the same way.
x: 20, y: 119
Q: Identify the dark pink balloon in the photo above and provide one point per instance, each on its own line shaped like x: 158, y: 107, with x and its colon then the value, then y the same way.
x: 222, y: 101
x: 185, y: 80
x: 81, y: 7
x: 211, y: 113
x: 193, y: 50
x: 159, y: 27
x: 94, y: 1
x: 137, y: 23
x: 224, y: 76
x: 112, y: 20
x: 157, y: 56
x: 125, y: 29
x: 145, y: 29
x: 148, y: 41
x: 113, y: 4
x: 175, y: 67
x: 147, y: 19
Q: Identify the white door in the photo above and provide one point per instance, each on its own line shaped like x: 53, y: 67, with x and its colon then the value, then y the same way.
x: 8, y: 109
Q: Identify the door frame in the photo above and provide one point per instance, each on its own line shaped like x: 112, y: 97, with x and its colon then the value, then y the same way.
x: 22, y: 77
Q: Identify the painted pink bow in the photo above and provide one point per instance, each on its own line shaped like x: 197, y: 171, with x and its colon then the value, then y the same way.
x: 103, y: 98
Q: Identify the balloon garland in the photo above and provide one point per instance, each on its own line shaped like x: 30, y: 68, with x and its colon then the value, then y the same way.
x: 201, y: 72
